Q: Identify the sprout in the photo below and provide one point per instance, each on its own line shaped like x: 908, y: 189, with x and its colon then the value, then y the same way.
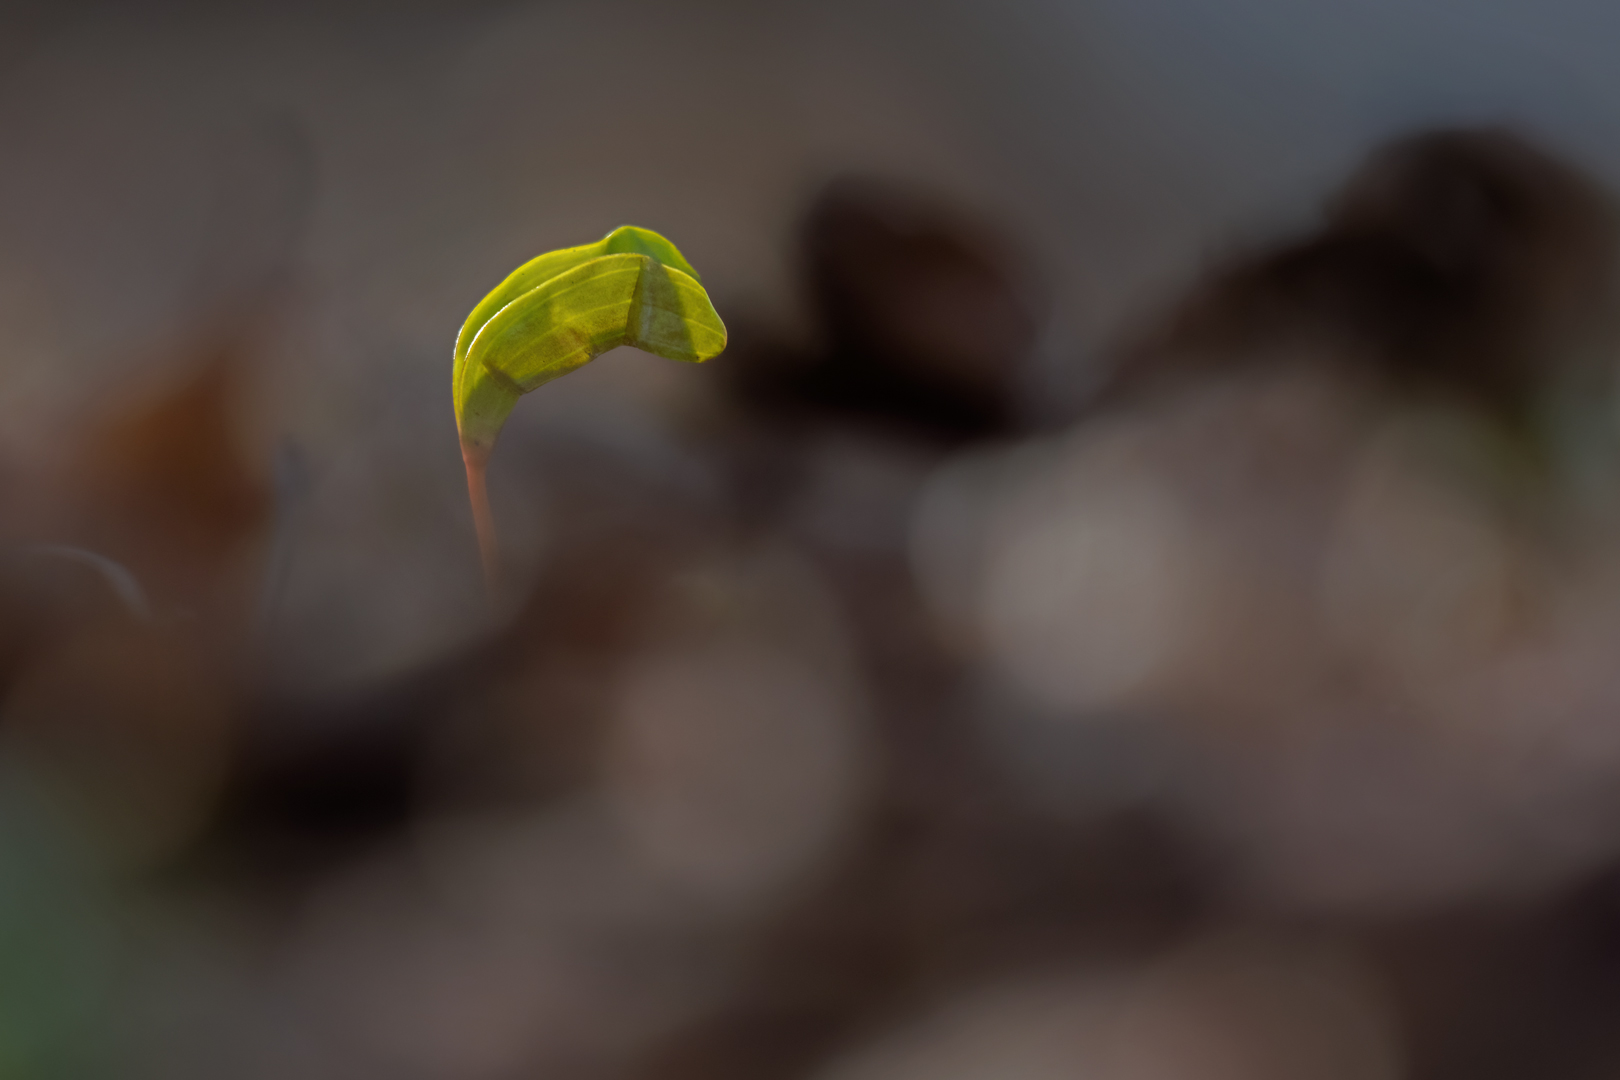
x: 559, y: 311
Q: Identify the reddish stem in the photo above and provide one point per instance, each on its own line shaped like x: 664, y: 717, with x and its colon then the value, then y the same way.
x: 477, y: 461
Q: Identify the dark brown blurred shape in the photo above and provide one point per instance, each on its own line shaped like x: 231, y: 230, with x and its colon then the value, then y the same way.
x: 1468, y: 261
x: 131, y: 725
x: 515, y: 717
x: 924, y: 318
x: 165, y: 486
x: 121, y: 626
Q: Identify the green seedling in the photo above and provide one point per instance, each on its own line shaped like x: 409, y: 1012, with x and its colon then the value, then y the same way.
x: 557, y: 312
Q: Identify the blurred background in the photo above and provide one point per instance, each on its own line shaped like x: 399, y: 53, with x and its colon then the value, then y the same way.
x: 1138, y: 598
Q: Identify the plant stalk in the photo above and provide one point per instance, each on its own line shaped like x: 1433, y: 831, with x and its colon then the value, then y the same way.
x: 477, y: 462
